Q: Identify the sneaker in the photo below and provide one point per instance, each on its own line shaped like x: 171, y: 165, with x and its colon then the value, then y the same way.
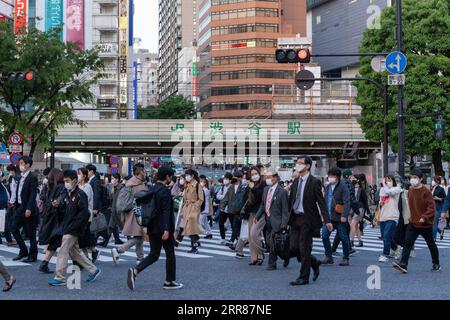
x: 336, y: 254
x: 229, y: 243
x: 344, y: 263
x: 398, y: 253
x: 115, y: 255
x: 193, y: 250
x: 172, y: 285
x: 223, y: 242
x: 57, y: 283
x: 436, y: 268
x: 94, y: 276
x: 209, y: 236
x: 351, y: 252
x: 383, y: 259
x: 360, y: 244
x: 131, y: 277
x: 392, y: 253
x: 413, y: 254
x: 400, y: 267
x: 240, y: 256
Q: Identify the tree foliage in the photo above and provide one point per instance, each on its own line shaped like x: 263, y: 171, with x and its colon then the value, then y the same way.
x: 63, y: 73
x: 426, y: 26
x: 174, y: 107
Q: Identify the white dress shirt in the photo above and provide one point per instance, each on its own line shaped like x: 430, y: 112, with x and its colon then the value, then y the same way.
x: 302, y: 192
x: 22, y: 181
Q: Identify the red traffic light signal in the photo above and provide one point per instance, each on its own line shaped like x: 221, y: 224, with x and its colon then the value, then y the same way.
x: 293, y: 56
x: 29, y: 76
x: 21, y: 76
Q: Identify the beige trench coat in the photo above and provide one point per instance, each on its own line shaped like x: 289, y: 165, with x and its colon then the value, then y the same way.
x: 192, y: 202
x: 131, y: 228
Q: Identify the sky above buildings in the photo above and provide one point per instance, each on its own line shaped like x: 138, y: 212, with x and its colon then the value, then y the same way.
x: 146, y: 23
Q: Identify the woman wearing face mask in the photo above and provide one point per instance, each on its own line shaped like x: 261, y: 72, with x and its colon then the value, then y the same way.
x: 255, y: 194
x: 208, y: 208
x: 88, y: 241
x: 389, y: 197
x: 50, y: 233
x: 223, y: 215
x: 192, y: 201
x: 361, y: 199
x: 116, y: 220
x: 438, y: 196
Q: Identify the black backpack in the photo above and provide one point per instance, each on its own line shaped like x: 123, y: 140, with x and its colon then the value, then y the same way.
x: 147, y: 207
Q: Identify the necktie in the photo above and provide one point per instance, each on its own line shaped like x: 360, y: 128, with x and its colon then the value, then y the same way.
x: 269, y: 202
x: 298, y: 198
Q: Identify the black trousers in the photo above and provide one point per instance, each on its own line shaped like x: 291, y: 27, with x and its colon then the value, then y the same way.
x: 106, y: 234
x: 194, y: 238
x: 7, y: 233
x: 411, y: 235
x: 222, y: 219
x: 301, y: 243
x: 30, y: 226
x: 398, y: 238
x: 156, y: 243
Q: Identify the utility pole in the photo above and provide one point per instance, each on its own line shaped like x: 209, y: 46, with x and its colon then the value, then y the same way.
x: 401, y: 99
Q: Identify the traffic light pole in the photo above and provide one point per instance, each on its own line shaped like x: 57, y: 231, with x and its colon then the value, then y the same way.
x: 384, y: 91
x: 401, y: 99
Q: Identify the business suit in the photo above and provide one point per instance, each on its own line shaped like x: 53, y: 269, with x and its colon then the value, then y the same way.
x: 276, y: 218
x: 305, y: 225
x: 27, y: 196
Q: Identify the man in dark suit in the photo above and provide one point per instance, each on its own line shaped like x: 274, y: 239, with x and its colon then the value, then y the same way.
x: 25, y: 211
x: 96, y: 188
x: 337, y: 195
x: 275, y: 207
x: 305, y: 200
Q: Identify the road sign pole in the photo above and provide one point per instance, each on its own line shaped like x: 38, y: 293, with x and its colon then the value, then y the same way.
x: 401, y: 119
x: 385, y: 132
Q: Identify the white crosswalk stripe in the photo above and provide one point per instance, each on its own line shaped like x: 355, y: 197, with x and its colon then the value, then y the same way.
x: 211, y: 248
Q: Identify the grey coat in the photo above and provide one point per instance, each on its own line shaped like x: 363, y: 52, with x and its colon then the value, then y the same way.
x: 279, y: 210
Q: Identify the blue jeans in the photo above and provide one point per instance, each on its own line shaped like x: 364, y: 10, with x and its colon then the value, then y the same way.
x: 387, y: 230
x: 342, y: 230
x: 437, y: 217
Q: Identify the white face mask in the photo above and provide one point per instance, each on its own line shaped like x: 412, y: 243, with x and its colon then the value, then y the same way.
x: 226, y: 181
x: 68, y: 186
x: 390, y: 184
x: 45, y: 181
x: 332, y: 180
x: 269, y: 182
x: 414, y: 182
x: 22, y: 168
x: 433, y: 183
x: 181, y: 182
x: 300, y: 167
x: 188, y: 178
x: 256, y: 178
x: 80, y: 178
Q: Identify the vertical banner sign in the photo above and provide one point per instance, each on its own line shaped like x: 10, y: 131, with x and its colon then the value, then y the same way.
x: 131, y: 24
x: 123, y: 53
x: 54, y: 16
x: 75, y: 22
x: 135, y: 89
x: 20, y: 16
x: 195, y: 77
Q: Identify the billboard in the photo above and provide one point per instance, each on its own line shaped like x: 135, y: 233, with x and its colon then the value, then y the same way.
x: 54, y: 15
x: 75, y: 22
x: 123, y: 53
x: 20, y: 16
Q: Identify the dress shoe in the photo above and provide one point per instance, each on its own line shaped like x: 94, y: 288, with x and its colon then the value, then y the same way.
x: 118, y: 243
x: 271, y: 268
x: 102, y: 244
x: 20, y: 257
x: 30, y: 260
x: 299, y: 282
x: 286, y: 263
x: 253, y: 263
x: 12, y: 243
x: 44, y: 267
x: 344, y: 263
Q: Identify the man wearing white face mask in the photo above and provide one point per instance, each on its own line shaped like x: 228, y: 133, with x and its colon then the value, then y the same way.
x: 422, y: 207
x: 223, y: 212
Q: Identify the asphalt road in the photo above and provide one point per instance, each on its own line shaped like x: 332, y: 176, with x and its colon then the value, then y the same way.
x: 216, y: 274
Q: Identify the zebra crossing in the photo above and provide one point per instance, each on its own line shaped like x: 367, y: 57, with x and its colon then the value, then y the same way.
x: 211, y: 248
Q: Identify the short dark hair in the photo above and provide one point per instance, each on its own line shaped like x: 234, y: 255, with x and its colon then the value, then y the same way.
x: 228, y: 175
x: 416, y: 172
x: 308, y: 160
x: 71, y: 174
x: 46, y: 171
x: 202, y: 176
x: 27, y: 160
x: 391, y: 176
x: 437, y: 179
x: 335, y: 171
x: 91, y: 167
x: 116, y: 176
x: 163, y: 172
x: 11, y: 167
x: 138, y: 167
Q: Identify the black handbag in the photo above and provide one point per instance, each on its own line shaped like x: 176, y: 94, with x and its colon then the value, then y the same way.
x: 98, y: 223
x: 281, y: 244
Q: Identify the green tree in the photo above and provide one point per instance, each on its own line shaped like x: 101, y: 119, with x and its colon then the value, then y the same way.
x: 426, y: 26
x: 63, y: 73
x: 174, y: 107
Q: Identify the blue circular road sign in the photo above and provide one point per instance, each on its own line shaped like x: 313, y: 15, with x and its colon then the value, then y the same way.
x: 396, y: 62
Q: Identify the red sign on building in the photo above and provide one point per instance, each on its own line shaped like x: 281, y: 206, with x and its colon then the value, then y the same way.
x: 75, y: 22
x: 20, y: 16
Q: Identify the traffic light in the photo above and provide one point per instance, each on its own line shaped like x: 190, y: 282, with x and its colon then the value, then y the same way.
x: 21, y: 76
x: 293, y: 56
x: 440, y: 130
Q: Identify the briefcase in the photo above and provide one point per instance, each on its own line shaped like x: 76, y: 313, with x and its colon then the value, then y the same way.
x: 281, y: 244
x: 98, y: 223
